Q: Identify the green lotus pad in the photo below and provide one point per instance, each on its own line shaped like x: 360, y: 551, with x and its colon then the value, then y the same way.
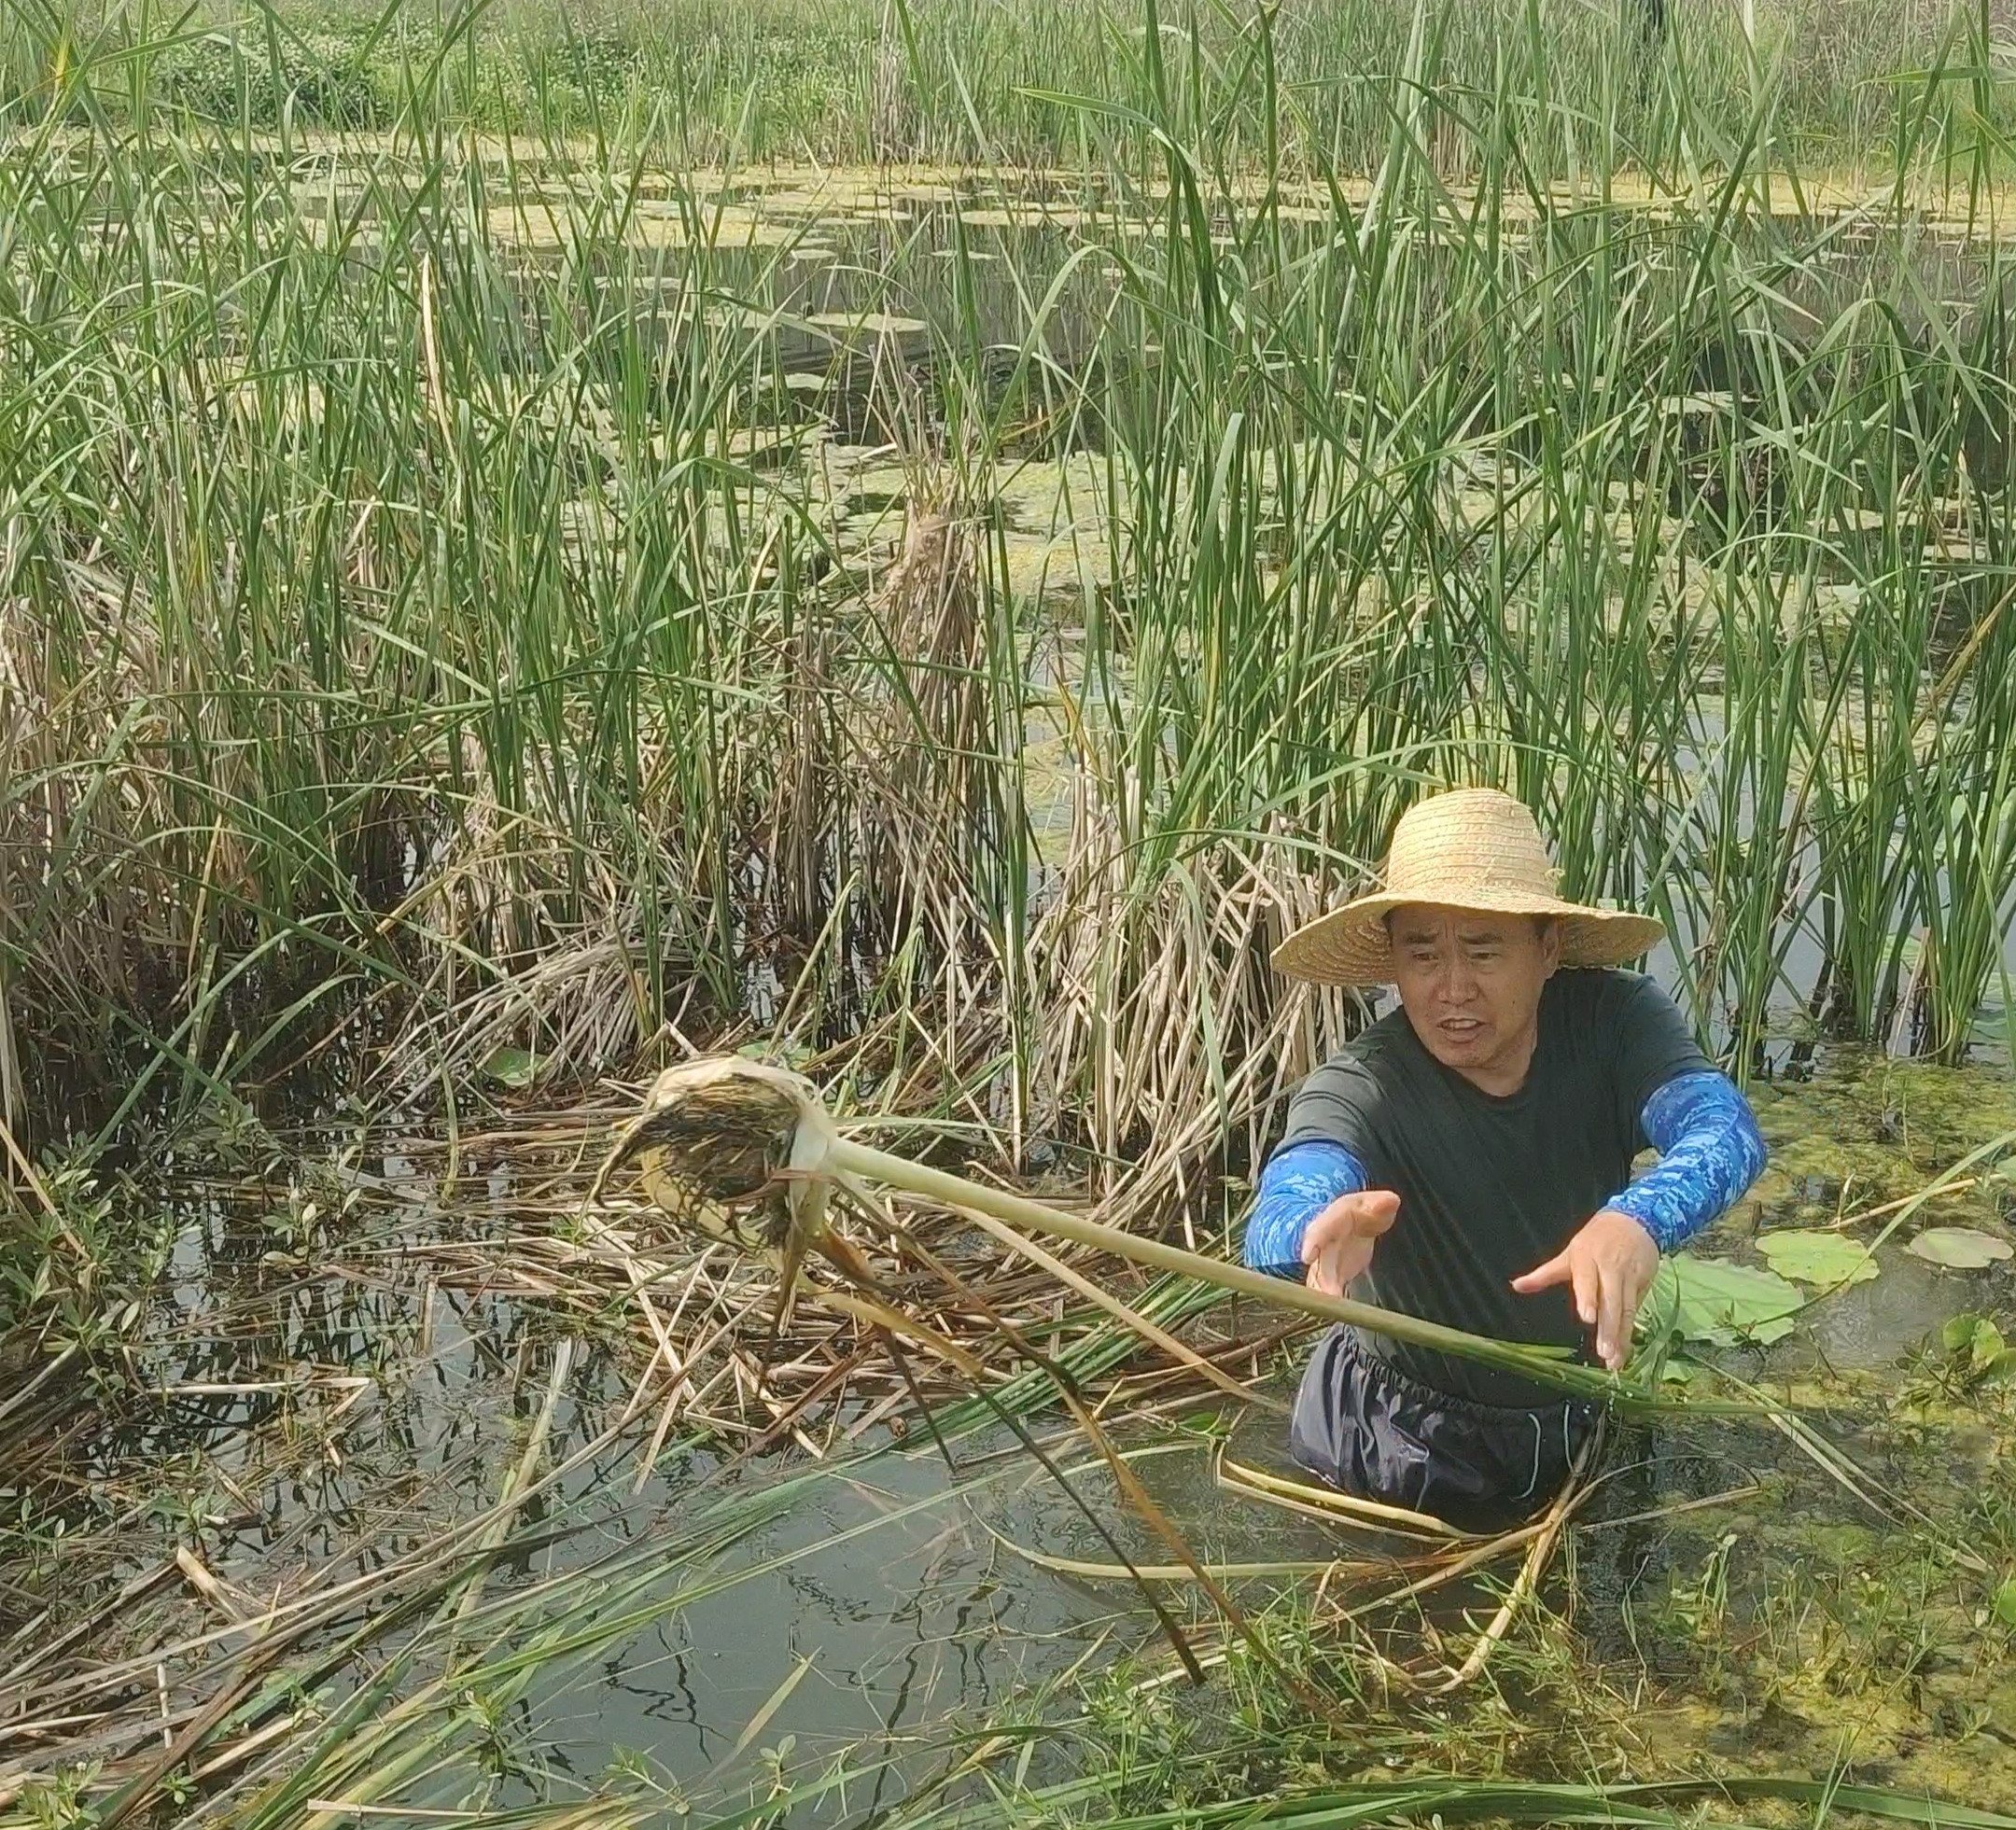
x: 514, y: 1068
x: 1959, y: 1248
x: 1710, y: 1299
x: 1824, y: 1260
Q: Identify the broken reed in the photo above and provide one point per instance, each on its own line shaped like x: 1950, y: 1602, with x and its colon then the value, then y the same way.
x: 412, y: 610
x: 747, y: 1155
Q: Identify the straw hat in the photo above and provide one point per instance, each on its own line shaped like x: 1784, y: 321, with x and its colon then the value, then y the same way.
x: 1475, y: 848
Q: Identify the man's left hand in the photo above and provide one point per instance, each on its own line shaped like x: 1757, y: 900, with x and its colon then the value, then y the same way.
x: 1610, y: 1262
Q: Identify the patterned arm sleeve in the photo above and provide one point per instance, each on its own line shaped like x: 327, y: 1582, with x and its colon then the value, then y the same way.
x: 1296, y: 1185
x: 1710, y: 1153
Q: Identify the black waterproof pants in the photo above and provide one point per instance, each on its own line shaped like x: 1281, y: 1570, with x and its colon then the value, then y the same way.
x: 1368, y: 1430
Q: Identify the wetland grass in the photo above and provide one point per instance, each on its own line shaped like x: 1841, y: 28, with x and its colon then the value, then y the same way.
x: 895, y: 82
x: 419, y: 607
x: 479, y: 615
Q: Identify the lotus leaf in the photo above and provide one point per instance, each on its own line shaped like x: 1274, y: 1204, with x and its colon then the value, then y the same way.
x: 868, y: 324
x: 1825, y: 1259
x: 1958, y: 1247
x: 1710, y: 1299
x: 1958, y: 1333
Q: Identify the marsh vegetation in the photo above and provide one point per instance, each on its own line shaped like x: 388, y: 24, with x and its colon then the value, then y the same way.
x: 514, y: 564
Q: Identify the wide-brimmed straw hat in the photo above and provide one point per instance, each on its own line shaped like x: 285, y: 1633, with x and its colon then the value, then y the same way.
x: 1476, y: 849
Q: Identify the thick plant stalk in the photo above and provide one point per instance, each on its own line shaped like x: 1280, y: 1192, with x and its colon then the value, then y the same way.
x: 746, y: 1153
x: 846, y: 1157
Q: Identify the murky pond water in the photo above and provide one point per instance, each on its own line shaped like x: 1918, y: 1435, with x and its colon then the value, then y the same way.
x: 735, y: 1623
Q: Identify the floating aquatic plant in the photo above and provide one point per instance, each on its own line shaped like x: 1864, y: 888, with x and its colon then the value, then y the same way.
x: 1714, y: 1301
x: 1824, y: 1259
x: 1958, y: 1247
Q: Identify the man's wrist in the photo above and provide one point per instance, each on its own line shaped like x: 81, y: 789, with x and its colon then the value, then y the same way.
x: 1646, y: 1215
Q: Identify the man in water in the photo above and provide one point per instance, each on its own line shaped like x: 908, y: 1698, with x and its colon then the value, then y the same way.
x: 1468, y: 1159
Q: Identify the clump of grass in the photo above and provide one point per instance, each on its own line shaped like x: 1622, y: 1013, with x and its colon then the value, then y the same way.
x: 424, y: 613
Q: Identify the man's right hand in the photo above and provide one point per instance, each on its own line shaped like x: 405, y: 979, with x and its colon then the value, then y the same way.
x: 1337, y: 1245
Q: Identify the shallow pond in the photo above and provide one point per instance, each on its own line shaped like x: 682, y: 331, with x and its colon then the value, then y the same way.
x: 328, y: 1405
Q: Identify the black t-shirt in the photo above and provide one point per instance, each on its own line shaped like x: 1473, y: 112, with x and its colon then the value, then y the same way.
x: 1489, y: 1188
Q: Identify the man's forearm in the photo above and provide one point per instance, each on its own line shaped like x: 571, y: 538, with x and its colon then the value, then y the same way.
x: 1296, y: 1185
x: 1710, y: 1153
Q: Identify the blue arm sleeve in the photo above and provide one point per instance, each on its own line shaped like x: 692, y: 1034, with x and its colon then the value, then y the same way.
x: 1710, y: 1151
x: 1296, y: 1185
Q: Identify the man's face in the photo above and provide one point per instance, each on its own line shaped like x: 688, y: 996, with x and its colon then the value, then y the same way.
x: 1470, y: 985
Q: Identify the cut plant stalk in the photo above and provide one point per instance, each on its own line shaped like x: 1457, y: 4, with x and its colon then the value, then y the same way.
x: 748, y: 1154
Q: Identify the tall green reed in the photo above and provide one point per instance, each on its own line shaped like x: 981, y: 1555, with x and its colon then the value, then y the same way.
x: 1611, y: 477
x: 433, y: 595
x: 951, y: 79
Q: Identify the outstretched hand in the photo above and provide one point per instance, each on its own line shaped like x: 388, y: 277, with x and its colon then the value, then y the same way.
x: 1610, y: 1263
x: 1337, y: 1245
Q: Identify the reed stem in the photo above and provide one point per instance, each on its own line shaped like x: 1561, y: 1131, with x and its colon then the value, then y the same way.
x: 1540, y: 1364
